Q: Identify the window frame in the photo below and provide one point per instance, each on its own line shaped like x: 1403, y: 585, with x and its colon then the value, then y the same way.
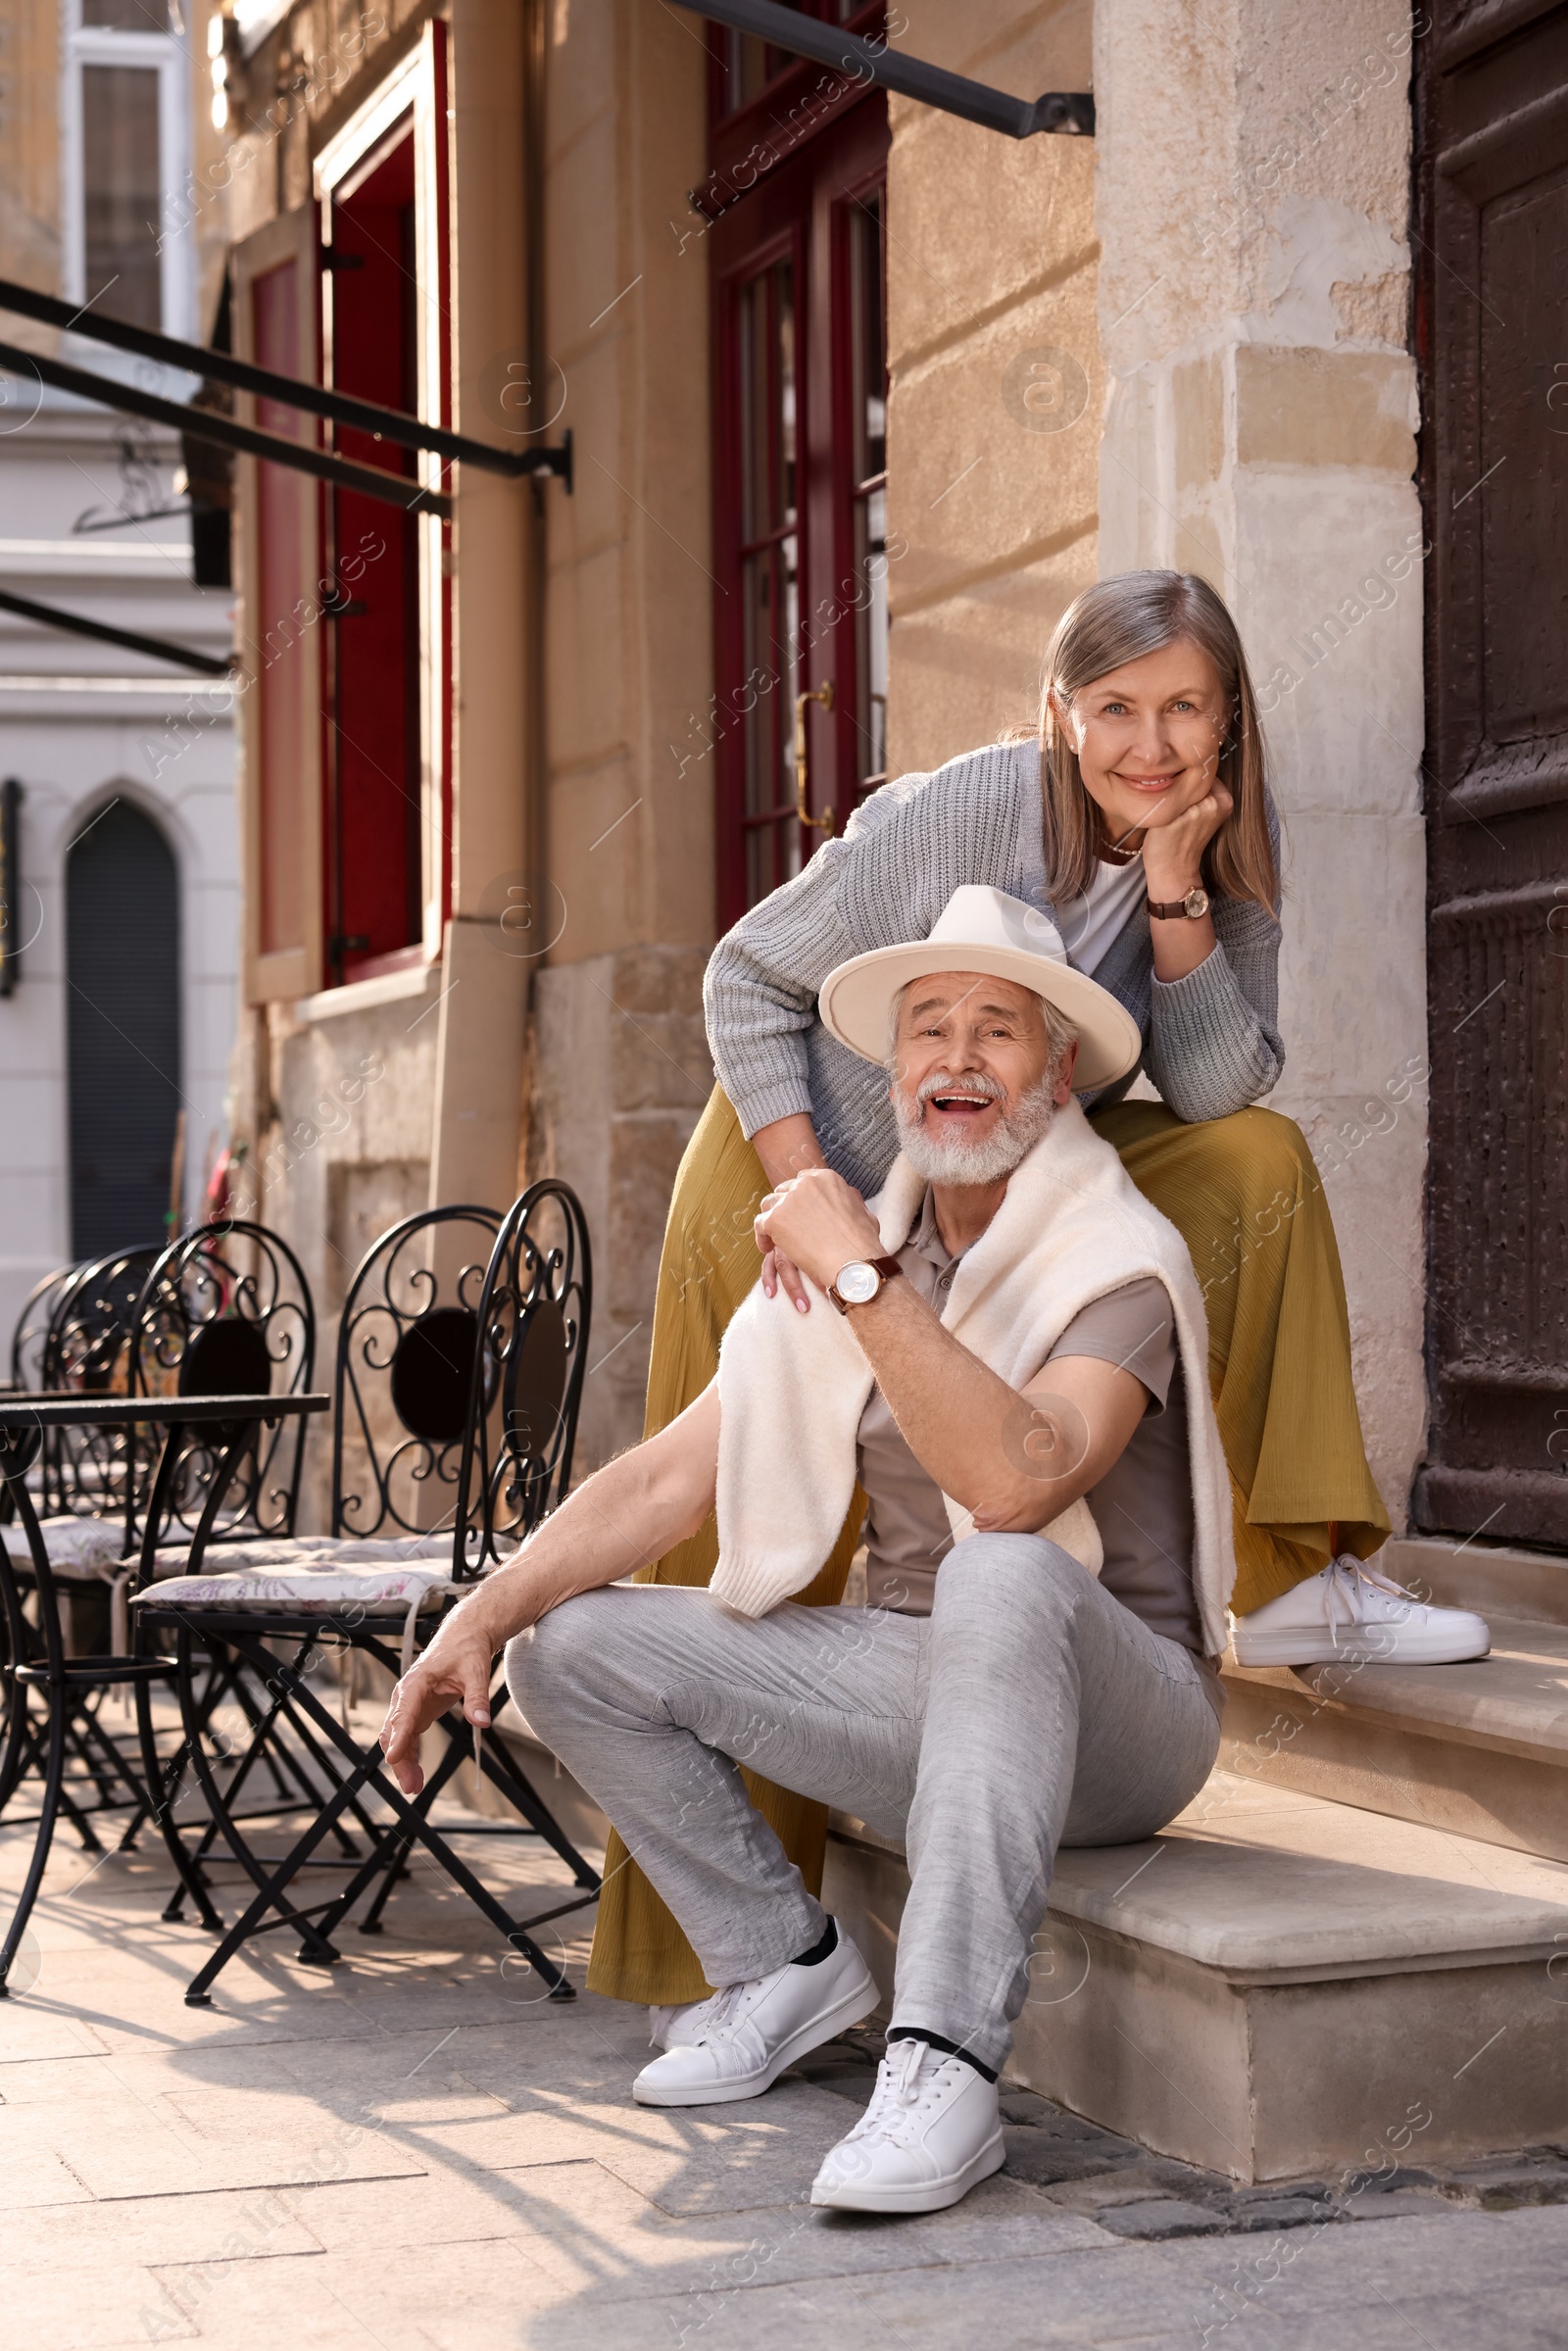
x: 802, y: 210
x: 93, y: 45
x: 416, y: 89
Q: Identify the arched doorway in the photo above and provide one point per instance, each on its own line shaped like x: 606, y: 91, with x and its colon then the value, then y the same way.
x: 122, y: 1029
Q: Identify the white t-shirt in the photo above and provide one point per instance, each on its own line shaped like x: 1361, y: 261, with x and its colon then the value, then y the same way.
x: 1090, y: 924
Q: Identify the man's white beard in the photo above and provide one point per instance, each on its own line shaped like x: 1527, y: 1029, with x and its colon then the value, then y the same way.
x: 952, y: 1158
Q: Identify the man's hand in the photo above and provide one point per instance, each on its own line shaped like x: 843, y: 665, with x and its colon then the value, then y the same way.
x: 819, y: 1222
x: 454, y: 1668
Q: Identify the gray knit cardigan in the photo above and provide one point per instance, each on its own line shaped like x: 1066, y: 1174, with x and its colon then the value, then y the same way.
x: 1211, y: 1043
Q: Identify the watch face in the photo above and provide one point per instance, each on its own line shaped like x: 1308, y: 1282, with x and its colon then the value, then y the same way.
x: 858, y: 1283
x: 1196, y: 903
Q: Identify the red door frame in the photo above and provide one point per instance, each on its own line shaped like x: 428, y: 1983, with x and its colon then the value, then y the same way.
x: 801, y: 209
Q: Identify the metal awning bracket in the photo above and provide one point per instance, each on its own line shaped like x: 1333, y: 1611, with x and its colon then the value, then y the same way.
x: 1070, y: 113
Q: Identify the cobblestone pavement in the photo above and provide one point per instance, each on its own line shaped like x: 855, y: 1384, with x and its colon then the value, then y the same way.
x: 416, y: 2149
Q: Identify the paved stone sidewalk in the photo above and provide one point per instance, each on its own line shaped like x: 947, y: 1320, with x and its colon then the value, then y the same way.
x: 416, y: 2149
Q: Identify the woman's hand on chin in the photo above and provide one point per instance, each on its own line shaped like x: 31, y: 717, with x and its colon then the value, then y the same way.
x: 1174, y: 844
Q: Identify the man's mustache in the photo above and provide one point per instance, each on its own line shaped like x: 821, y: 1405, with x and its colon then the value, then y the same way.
x: 973, y: 1081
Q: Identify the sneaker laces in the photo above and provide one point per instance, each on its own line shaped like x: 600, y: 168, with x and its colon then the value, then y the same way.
x: 900, y: 2091
x: 1347, y: 1586
x: 721, y: 2010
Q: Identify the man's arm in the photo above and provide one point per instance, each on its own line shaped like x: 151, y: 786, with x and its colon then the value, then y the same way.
x: 626, y: 1515
x: 1015, y: 1462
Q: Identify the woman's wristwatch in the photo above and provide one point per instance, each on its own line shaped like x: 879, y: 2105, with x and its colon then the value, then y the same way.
x: 1193, y: 907
x: 859, y: 1283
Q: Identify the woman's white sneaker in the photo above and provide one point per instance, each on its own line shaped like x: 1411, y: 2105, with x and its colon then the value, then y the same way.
x: 1349, y: 1612
x: 681, y: 2027
x: 750, y: 2031
x: 931, y: 2132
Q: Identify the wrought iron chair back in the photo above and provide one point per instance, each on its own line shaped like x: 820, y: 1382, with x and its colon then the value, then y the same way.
x: 91, y: 1473
x: 535, y: 1310
x: 405, y: 1349
x: 29, y: 1339
x: 226, y: 1310
x: 31, y: 1333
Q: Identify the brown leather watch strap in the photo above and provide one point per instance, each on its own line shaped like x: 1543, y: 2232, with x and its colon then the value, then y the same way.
x: 886, y: 1267
x: 1183, y: 909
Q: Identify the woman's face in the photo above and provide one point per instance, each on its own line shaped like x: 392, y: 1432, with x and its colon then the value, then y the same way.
x: 1148, y: 736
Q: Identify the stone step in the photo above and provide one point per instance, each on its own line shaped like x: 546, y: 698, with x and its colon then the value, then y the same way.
x: 1280, y: 1985
x: 1488, y: 1576
x: 1480, y: 1748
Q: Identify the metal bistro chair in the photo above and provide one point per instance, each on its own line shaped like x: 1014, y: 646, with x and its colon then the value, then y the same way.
x: 72, y: 1338
x: 69, y: 1685
x: 400, y: 1391
x: 498, y: 1437
x: 90, y: 1473
x: 222, y: 1310
x: 226, y: 1310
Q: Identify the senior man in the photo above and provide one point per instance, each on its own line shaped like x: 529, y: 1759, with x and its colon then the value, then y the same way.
x: 1007, y: 1348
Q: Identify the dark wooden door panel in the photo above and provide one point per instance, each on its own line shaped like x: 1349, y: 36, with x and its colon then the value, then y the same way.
x: 1492, y: 221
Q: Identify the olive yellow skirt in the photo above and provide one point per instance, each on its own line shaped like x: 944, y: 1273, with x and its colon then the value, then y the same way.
x: 1246, y: 1196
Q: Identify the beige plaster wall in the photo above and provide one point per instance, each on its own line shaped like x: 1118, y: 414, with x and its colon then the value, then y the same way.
x: 992, y: 429
x: 29, y: 154
x: 620, y: 1066
x: 1252, y: 195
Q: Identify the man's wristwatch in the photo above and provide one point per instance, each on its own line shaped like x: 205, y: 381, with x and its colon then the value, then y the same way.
x: 1193, y: 907
x: 858, y: 1283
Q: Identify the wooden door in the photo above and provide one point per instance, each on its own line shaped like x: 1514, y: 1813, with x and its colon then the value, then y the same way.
x: 1493, y: 333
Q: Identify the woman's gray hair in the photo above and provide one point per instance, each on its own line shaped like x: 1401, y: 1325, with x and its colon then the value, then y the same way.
x: 1060, y: 1034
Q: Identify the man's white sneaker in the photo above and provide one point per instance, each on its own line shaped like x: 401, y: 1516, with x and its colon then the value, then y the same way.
x: 931, y: 2132
x: 1349, y: 1612
x: 750, y: 2031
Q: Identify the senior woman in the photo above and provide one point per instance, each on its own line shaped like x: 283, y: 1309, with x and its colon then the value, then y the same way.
x: 1142, y: 824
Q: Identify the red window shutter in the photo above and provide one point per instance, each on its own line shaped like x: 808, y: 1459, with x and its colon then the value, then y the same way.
x: 276, y: 308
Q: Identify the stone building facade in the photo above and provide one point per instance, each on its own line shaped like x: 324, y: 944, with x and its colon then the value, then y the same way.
x: 1186, y: 340
x: 122, y: 1007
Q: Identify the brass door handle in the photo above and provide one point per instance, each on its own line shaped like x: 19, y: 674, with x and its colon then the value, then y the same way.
x: 802, y: 806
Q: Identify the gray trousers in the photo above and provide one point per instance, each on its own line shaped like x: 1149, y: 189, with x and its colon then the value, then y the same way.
x: 1029, y: 1710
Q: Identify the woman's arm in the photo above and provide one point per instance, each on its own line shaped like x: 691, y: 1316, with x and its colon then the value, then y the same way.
x: 1214, y: 1044
x: 624, y: 1516
x: 760, y: 993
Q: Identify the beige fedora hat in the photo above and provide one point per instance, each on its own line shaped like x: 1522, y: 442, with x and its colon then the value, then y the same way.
x: 984, y: 930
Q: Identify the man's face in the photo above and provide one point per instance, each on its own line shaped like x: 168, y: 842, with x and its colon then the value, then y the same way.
x: 971, y: 1060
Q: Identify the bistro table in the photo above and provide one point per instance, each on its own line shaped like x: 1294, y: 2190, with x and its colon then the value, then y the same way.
x: 230, y: 1422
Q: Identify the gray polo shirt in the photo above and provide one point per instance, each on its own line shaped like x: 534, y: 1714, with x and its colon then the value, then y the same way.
x: 1143, y: 1506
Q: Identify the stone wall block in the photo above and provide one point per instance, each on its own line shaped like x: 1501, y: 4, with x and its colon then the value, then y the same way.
x: 971, y: 665
x: 645, y: 1151
x: 1321, y: 408
x: 980, y: 224
x: 661, y: 979
x: 992, y: 486
x: 1003, y: 429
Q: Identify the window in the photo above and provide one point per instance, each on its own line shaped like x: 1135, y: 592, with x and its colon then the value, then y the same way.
x: 746, y: 64
x: 125, y: 145
x: 345, y: 599
x: 800, y: 498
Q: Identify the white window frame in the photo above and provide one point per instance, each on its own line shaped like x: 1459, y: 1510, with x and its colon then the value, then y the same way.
x: 83, y: 45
